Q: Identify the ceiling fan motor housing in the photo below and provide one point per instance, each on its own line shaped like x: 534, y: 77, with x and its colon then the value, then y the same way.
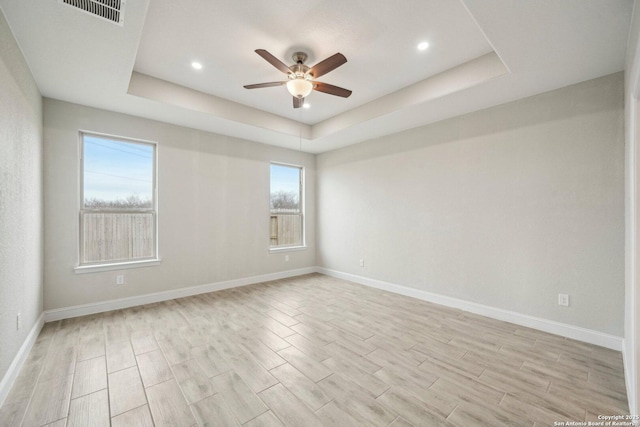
x: 299, y: 84
x: 299, y: 57
x: 299, y: 70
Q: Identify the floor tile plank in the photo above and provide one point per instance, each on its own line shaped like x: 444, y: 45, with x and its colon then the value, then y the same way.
x: 266, y: 357
x: 256, y: 376
x: 168, y: 406
x: 90, y: 410
x: 241, y: 400
x: 332, y: 415
x: 468, y: 414
x: 210, y: 361
x: 154, y: 369
x: 265, y: 420
x: 288, y: 408
x: 308, y: 366
x: 410, y: 408
x: 301, y: 386
x: 12, y: 412
x: 50, y: 401
x: 126, y: 391
x: 120, y: 356
x: 354, y: 400
x: 59, y: 363
x: 138, y: 417
x: 193, y: 382
x: 213, y: 411
x: 91, y: 376
x: 359, y: 376
x: 91, y: 346
x: 143, y: 341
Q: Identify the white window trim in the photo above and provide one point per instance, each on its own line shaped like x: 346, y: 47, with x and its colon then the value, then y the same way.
x: 303, y: 245
x: 116, y: 264
x: 289, y: 248
x: 96, y: 268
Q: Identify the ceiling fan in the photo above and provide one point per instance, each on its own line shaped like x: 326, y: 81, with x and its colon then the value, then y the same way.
x: 301, y: 77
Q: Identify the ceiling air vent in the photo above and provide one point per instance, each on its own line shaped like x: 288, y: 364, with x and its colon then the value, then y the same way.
x: 111, y: 10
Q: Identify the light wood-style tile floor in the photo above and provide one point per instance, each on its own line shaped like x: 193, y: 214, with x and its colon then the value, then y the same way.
x: 308, y: 351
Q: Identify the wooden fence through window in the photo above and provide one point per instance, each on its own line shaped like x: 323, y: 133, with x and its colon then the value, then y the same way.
x: 130, y: 236
x: 286, y: 229
x: 117, y: 236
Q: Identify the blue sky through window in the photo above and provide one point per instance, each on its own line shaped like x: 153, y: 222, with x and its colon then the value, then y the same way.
x: 285, y: 187
x: 285, y: 178
x: 115, y: 170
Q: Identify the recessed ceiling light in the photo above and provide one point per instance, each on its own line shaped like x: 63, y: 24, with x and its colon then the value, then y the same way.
x: 306, y: 105
x: 423, y: 46
x: 196, y: 65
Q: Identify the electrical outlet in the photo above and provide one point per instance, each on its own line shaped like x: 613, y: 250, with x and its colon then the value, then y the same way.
x: 120, y: 279
x: 18, y: 322
x: 563, y: 299
x: 361, y: 263
x: 286, y: 258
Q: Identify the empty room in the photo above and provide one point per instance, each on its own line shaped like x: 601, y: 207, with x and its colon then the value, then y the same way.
x: 319, y: 213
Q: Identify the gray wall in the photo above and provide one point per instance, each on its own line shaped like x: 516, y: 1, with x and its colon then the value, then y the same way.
x: 631, y: 349
x: 213, y: 197
x: 20, y: 198
x: 505, y: 207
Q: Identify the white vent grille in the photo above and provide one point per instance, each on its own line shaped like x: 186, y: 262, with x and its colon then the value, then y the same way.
x: 111, y: 10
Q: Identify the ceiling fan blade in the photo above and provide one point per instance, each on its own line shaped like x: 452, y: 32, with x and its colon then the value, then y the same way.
x: 273, y: 61
x: 298, y: 102
x: 329, y: 64
x: 259, y: 85
x: 331, y: 89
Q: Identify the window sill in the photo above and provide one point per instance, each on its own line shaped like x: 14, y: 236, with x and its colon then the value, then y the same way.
x: 116, y: 266
x: 288, y: 249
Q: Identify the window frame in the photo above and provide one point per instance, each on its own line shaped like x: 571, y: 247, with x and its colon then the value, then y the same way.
x: 88, y: 267
x: 302, y: 202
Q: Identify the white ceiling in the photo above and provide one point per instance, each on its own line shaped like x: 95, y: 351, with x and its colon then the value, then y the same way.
x: 482, y: 53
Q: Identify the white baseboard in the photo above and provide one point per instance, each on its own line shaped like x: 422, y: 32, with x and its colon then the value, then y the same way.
x: 586, y: 335
x: 116, y: 304
x: 15, y: 367
x: 630, y: 381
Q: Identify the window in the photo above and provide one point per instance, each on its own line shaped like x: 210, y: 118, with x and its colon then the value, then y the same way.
x: 287, y: 206
x: 117, y: 201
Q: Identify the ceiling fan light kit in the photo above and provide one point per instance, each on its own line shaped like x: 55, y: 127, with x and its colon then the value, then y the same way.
x: 299, y: 87
x: 300, y: 81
